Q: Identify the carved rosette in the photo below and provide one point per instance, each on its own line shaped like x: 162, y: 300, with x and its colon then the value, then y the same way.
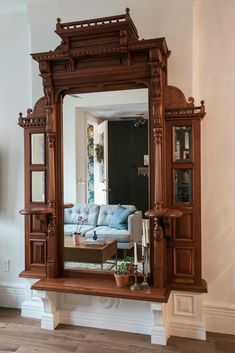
x: 107, y: 303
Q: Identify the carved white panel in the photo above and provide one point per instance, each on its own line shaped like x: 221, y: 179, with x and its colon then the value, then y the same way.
x: 183, y: 305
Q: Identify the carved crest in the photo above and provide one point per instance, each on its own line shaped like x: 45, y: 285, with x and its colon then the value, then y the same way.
x: 35, y: 117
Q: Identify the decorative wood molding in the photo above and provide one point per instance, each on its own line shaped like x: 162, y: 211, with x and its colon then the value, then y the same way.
x: 36, y: 117
x: 157, y: 135
x: 51, y: 139
x: 176, y: 105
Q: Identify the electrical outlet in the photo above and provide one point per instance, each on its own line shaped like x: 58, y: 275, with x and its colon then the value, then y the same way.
x: 5, y: 265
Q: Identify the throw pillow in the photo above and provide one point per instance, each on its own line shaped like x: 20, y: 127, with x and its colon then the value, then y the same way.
x: 119, y: 218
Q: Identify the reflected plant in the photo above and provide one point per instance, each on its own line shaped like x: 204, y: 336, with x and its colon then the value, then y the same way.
x: 80, y: 221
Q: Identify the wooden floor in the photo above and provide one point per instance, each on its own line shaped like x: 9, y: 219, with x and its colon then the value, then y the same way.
x: 23, y: 335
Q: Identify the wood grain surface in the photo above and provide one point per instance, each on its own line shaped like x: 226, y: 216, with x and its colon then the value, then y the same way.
x: 22, y: 335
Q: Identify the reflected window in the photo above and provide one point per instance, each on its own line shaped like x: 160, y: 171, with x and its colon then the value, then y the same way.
x: 90, y: 163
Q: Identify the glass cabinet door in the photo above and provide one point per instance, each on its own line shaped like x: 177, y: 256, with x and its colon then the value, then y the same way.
x: 37, y: 148
x: 183, y: 186
x: 38, y: 186
x: 182, y: 143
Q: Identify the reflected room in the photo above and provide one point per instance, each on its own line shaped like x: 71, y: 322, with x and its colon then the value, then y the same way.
x: 105, y: 163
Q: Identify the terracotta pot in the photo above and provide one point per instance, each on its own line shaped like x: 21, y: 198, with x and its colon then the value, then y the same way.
x: 121, y: 280
x: 76, y: 238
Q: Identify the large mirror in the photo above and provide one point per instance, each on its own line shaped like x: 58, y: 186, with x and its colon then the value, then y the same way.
x: 105, y: 155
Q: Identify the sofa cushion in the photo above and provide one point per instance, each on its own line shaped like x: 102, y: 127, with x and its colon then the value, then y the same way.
x: 72, y: 228
x: 110, y: 233
x: 119, y: 218
x: 106, y: 212
x: 83, y: 210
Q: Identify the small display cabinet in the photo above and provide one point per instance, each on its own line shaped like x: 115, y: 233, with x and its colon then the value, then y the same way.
x: 183, y: 123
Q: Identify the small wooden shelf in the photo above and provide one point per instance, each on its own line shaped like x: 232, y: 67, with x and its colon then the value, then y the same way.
x: 36, y: 210
x: 68, y: 205
x: 101, y: 287
x: 164, y: 213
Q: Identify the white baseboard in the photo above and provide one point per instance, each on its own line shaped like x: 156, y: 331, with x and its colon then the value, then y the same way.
x: 105, y: 313
x: 32, y: 308
x: 102, y: 321
x: 219, y: 318
x: 11, y: 295
x: 180, y: 329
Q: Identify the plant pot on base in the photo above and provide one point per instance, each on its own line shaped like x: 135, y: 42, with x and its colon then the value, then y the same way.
x: 121, y: 280
x: 122, y: 275
x: 76, y: 238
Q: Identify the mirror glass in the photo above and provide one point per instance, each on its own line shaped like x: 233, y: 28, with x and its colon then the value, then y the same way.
x: 38, y: 186
x: 182, y: 143
x: 183, y: 186
x: 105, y: 139
x: 37, y: 149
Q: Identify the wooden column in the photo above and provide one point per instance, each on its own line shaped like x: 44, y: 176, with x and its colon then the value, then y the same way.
x: 159, y: 239
x: 51, y: 132
x: 157, y: 194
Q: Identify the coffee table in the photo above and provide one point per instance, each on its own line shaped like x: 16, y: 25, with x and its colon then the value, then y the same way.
x: 96, y: 254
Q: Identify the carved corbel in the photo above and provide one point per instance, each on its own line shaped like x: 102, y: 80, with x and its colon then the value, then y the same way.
x: 48, y: 90
x: 158, y: 231
x: 123, y: 37
x: 51, y: 139
x: 70, y: 64
x: 51, y: 227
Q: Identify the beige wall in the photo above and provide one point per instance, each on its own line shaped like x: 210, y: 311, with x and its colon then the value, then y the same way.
x: 216, y: 84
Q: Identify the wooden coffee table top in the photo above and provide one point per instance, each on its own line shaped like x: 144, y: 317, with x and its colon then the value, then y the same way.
x: 68, y: 243
x: 89, y: 253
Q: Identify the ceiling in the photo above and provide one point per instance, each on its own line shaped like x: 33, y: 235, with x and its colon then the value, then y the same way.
x: 116, y: 105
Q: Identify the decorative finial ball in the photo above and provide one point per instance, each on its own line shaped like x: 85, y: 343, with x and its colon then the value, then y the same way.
x: 127, y: 10
x: 58, y: 20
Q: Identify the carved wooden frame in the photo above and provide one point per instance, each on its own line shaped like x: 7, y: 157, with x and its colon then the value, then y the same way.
x: 101, y: 55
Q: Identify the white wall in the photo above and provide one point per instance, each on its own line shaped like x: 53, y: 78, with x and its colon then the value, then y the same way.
x: 172, y: 19
x: 14, y: 97
x: 216, y: 84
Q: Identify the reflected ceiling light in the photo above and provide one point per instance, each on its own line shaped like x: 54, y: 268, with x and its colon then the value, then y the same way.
x: 140, y: 120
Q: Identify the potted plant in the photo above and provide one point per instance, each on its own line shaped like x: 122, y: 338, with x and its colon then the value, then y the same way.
x: 130, y: 264
x: 77, y: 234
x: 99, y: 152
x: 122, y: 275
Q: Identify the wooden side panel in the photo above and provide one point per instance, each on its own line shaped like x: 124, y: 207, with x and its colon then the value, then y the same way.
x: 184, y: 238
x: 184, y: 261
x: 184, y: 227
x: 38, y: 252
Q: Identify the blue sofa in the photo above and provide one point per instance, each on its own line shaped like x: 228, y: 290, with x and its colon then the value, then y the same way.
x: 104, y: 219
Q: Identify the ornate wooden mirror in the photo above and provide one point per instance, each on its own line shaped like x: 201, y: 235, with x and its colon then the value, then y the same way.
x: 105, y: 55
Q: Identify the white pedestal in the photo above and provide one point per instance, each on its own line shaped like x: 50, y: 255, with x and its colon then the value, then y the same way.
x: 181, y: 316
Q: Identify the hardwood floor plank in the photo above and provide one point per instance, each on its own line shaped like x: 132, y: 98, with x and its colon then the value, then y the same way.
x: 22, y: 335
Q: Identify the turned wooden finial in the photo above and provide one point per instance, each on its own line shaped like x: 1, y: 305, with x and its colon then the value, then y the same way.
x: 58, y: 26
x: 20, y: 119
x: 127, y: 13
